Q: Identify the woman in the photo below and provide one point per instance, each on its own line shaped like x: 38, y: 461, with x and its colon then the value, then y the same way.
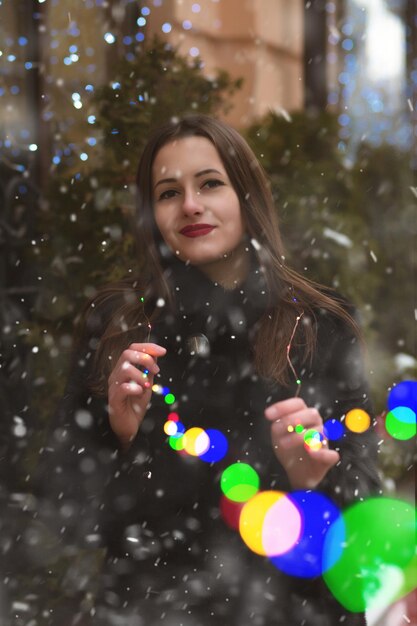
x: 248, y: 347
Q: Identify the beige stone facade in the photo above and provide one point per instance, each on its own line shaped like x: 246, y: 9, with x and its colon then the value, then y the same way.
x: 258, y: 40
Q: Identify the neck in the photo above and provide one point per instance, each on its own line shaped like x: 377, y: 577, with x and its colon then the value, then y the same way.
x: 230, y: 271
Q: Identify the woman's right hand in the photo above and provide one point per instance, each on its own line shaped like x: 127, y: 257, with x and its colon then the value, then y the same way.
x: 130, y: 390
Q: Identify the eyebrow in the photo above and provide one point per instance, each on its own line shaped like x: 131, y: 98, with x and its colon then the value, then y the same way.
x: 202, y: 173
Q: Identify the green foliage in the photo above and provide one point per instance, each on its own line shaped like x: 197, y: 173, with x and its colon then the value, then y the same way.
x: 83, y: 233
x: 350, y: 226
x: 154, y: 88
x: 88, y: 204
x: 383, y: 186
x: 324, y: 230
x: 345, y: 225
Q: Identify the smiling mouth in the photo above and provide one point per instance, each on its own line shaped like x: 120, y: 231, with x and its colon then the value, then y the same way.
x: 197, y: 230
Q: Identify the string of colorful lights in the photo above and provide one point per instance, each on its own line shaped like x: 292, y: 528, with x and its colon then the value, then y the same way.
x: 304, y: 533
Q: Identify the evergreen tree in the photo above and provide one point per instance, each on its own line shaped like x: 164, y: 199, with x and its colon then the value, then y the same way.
x: 84, y: 235
x: 351, y: 226
x: 347, y: 226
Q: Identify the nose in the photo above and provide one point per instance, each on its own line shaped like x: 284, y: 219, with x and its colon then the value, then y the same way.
x: 192, y: 204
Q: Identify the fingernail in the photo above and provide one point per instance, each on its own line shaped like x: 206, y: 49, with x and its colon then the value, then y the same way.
x: 271, y: 412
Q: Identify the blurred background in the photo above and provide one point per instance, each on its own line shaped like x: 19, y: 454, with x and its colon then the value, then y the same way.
x: 325, y: 93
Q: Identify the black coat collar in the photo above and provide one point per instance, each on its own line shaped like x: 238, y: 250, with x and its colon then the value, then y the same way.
x: 208, y: 308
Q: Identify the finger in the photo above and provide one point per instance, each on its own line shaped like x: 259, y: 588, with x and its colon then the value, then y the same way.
x: 306, y: 418
x: 125, y: 370
x: 144, y: 359
x: 133, y: 389
x: 126, y: 388
x: 325, y: 456
x: 118, y: 394
x: 284, y: 407
x: 125, y: 374
x: 138, y: 358
x: 149, y: 348
x: 290, y: 441
x: 131, y: 374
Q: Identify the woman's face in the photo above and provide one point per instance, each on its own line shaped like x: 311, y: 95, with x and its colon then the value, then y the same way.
x: 197, y: 210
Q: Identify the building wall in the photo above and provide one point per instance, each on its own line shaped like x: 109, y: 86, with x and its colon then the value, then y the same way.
x: 258, y: 40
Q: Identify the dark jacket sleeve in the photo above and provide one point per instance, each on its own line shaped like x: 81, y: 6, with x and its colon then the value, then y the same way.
x: 81, y: 468
x: 338, y: 386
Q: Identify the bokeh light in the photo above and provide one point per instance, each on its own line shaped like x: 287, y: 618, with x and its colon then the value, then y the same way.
x: 170, y: 427
x: 109, y: 38
x: 169, y: 398
x: 333, y: 429
x: 252, y: 517
x: 400, y: 423
x: 180, y: 428
x: 196, y: 441
x: 282, y: 527
x: 218, y: 447
x: 313, y: 440
x: 230, y: 511
x: 239, y: 482
x: 403, y: 394
x: 177, y: 441
x: 357, y: 420
x: 376, y: 537
x: 305, y: 559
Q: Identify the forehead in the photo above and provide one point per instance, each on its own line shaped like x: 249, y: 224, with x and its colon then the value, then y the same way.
x: 187, y: 154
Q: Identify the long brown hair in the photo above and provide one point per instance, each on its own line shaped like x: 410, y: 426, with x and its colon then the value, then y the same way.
x: 132, y: 303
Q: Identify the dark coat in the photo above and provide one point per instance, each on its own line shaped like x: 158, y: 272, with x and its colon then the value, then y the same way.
x: 169, y: 554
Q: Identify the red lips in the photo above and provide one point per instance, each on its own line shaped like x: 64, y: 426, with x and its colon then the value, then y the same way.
x: 197, y: 230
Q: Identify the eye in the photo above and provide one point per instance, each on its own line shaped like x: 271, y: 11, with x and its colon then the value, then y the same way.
x: 168, y: 193
x: 212, y: 183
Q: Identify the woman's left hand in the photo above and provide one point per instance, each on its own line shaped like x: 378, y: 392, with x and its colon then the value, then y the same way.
x: 305, y: 467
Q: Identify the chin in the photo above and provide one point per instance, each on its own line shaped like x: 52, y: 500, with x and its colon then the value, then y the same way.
x: 198, y: 261
x: 200, y: 257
